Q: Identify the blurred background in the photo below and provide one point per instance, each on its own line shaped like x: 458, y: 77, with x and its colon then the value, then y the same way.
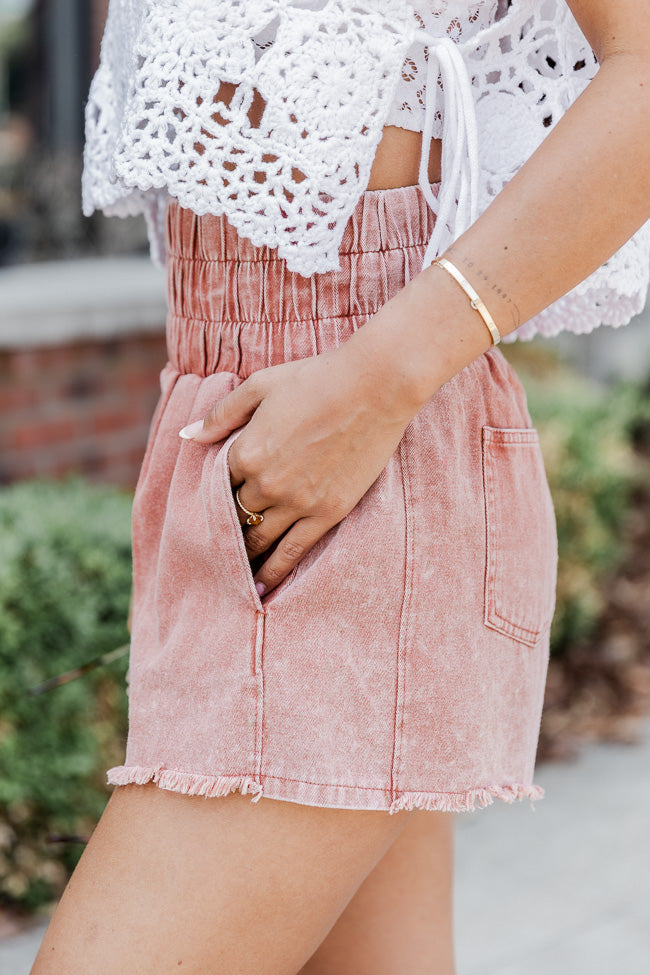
x: 82, y: 314
x: 49, y: 50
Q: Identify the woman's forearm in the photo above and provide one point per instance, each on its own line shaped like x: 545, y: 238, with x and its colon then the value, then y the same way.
x: 576, y: 201
x: 579, y: 197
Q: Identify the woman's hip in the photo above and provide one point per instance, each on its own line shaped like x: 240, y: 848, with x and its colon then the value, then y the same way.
x: 469, y: 465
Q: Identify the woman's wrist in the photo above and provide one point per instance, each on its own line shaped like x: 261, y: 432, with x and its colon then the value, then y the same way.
x: 422, y: 337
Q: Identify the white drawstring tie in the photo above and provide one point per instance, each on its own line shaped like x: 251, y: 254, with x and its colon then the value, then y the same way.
x: 459, y: 183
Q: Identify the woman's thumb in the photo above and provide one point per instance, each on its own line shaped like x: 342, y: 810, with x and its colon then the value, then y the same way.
x: 226, y: 415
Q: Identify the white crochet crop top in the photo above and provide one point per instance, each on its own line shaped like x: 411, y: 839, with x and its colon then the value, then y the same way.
x: 270, y: 112
x: 458, y: 21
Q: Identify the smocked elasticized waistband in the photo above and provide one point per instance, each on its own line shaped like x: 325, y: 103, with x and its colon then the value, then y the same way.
x: 234, y: 305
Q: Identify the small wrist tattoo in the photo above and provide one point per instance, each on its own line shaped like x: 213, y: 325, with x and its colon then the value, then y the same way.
x: 492, y: 287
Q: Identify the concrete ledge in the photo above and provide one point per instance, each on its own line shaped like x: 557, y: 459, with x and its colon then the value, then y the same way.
x: 61, y: 301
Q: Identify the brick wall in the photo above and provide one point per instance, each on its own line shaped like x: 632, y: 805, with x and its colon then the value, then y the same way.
x: 80, y: 406
x: 81, y: 349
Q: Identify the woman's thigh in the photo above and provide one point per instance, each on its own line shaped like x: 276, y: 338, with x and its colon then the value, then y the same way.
x: 401, y: 918
x: 174, y: 883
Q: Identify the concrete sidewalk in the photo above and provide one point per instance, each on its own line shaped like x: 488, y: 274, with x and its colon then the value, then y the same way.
x: 563, y: 888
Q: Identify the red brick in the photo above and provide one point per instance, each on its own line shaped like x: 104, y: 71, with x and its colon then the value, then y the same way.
x: 16, y: 396
x: 38, y: 434
x: 83, y: 406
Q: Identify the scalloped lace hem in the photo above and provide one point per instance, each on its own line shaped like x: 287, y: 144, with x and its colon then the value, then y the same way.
x: 192, y: 784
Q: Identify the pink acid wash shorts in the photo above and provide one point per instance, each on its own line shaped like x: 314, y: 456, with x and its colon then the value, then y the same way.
x: 402, y: 664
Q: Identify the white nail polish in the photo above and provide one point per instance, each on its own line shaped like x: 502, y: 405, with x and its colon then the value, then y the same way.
x: 191, y: 430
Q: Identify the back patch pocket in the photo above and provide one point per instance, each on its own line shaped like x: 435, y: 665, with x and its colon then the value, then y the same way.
x: 521, y: 535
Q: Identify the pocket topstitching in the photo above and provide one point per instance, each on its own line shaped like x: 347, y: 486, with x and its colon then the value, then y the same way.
x: 221, y: 516
x: 521, y: 539
x: 227, y: 532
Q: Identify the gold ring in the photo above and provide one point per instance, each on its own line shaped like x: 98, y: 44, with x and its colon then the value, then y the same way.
x: 254, y: 517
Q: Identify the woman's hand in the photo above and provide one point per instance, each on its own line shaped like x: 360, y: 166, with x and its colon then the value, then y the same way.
x: 317, y: 433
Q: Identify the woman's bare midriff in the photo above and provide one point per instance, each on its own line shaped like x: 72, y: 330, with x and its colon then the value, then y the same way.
x: 397, y: 160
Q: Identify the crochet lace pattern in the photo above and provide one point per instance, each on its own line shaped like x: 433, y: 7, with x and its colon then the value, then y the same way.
x: 460, y: 22
x: 270, y: 112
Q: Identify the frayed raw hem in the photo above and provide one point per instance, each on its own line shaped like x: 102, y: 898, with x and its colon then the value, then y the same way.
x: 466, y: 801
x: 185, y: 782
x: 318, y: 794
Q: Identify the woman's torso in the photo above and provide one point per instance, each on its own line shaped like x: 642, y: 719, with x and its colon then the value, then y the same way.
x: 397, y: 157
x: 348, y: 98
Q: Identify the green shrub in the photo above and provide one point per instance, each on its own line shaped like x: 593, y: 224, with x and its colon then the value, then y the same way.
x: 65, y: 577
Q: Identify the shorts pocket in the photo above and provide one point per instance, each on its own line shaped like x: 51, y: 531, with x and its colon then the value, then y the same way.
x: 521, y: 536
x: 187, y: 539
x: 223, y: 521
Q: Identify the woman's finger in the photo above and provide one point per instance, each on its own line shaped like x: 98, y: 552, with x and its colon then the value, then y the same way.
x: 259, y: 538
x: 244, y: 505
x: 289, y: 551
x: 227, y: 414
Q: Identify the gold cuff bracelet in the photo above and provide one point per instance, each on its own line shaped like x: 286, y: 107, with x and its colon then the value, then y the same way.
x: 474, y: 300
